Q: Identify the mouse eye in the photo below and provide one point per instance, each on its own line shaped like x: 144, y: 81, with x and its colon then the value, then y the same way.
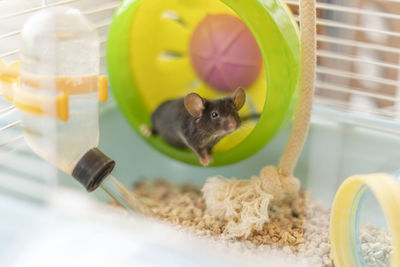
x: 214, y: 115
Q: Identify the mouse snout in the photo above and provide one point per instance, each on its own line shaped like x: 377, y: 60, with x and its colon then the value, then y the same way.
x: 230, y: 124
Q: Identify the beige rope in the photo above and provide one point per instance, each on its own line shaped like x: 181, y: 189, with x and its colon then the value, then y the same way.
x: 244, y: 203
x: 301, y: 122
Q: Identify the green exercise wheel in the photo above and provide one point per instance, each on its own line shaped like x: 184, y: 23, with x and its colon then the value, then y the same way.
x: 150, y: 60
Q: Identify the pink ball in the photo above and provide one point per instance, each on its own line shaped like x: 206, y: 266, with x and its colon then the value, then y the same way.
x: 224, y: 53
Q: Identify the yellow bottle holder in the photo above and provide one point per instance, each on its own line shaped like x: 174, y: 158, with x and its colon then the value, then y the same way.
x: 72, y: 85
x: 103, y: 88
x: 36, y: 101
x: 9, y: 78
x: 344, y: 215
x: 38, y: 105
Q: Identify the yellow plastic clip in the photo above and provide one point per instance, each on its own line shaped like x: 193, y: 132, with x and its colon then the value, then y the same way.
x: 9, y: 78
x: 31, y: 103
x: 62, y: 106
x: 40, y: 103
x: 103, y: 88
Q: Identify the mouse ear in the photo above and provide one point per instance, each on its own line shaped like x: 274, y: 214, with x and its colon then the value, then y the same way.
x: 194, y: 104
x: 239, y: 98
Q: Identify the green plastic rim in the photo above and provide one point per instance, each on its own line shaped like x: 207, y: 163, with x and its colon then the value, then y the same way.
x: 277, y: 35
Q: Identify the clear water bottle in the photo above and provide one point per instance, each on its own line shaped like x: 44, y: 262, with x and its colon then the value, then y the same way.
x: 58, y: 97
x: 59, y: 86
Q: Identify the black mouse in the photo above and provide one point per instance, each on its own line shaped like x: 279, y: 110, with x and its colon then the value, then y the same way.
x: 197, y: 123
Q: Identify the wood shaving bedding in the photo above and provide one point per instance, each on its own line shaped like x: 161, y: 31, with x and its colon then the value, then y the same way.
x: 300, y: 228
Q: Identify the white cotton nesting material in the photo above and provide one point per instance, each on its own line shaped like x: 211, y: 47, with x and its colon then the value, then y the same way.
x: 244, y: 203
x: 231, y: 199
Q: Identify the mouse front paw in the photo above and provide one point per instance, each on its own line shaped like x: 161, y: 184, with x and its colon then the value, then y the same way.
x: 145, y: 130
x: 206, y: 159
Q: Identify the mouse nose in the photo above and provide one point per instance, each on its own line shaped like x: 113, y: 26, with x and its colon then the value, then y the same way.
x: 230, y: 125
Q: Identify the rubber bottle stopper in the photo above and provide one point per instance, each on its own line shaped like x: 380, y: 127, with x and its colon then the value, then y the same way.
x: 92, y: 169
